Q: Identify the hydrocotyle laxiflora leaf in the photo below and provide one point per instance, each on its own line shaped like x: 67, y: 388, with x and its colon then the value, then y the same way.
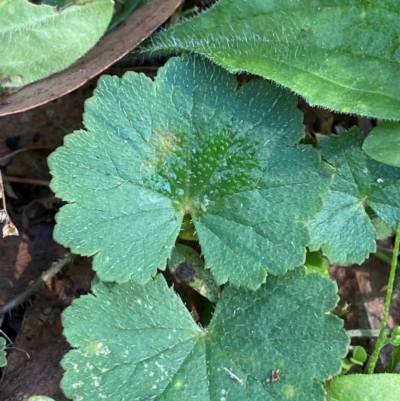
x: 37, y: 41
x: 362, y: 188
x: 342, y: 55
x: 140, y: 343
x: 189, y: 143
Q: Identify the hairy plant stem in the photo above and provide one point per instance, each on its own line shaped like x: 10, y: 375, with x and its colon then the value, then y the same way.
x: 381, y: 341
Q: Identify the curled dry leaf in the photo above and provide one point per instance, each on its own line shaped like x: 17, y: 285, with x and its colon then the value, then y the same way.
x: 10, y: 229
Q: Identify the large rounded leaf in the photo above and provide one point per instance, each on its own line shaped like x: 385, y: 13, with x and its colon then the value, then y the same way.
x: 190, y: 143
x: 136, y: 342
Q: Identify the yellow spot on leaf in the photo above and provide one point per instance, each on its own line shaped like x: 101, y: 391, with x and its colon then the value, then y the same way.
x: 178, y: 384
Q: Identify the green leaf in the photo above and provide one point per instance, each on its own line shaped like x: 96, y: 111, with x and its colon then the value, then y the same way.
x: 37, y: 41
x: 190, y: 143
x: 361, y: 187
x: 123, y: 9
x: 359, y: 355
x: 40, y: 398
x: 140, y: 342
x: 342, y: 55
x: 3, y: 359
x: 383, y: 143
x: 315, y: 263
x: 378, y: 387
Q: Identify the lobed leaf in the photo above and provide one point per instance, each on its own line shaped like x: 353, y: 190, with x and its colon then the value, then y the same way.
x: 327, y: 51
x: 362, y: 189
x: 140, y: 342
x: 37, y: 41
x: 188, y: 144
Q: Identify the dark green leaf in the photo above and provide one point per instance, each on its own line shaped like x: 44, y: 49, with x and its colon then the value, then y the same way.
x: 140, y: 343
x: 343, y: 55
x: 361, y: 188
x: 190, y: 143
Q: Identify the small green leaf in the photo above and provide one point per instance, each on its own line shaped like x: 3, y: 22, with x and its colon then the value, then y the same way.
x: 342, y: 55
x: 3, y: 359
x: 315, y: 263
x: 343, y: 229
x: 37, y: 41
x: 383, y: 143
x: 359, y: 355
x: 40, y: 398
x: 140, y: 342
x: 378, y: 387
x: 189, y: 144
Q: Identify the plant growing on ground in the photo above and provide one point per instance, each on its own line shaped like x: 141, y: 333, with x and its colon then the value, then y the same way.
x: 231, y: 159
x: 193, y: 149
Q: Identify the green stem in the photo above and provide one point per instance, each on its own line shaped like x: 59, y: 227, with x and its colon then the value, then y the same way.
x: 382, y: 255
x: 394, y: 359
x: 381, y: 338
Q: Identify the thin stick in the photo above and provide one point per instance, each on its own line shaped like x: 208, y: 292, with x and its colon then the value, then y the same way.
x: 37, y: 284
x: 381, y: 338
x: 30, y: 181
x: 4, y: 160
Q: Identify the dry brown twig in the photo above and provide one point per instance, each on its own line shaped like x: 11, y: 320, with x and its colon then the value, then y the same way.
x: 55, y: 268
